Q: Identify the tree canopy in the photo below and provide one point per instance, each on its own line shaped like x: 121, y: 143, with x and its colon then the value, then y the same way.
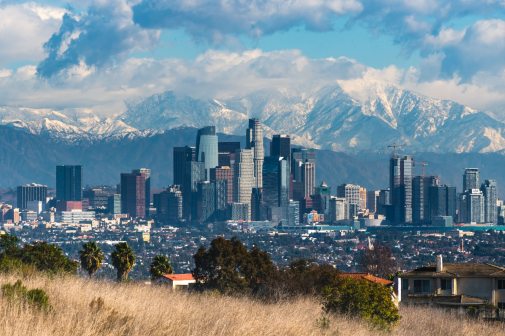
x: 160, y: 266
x: 123, y: 259
x: 91, y: 257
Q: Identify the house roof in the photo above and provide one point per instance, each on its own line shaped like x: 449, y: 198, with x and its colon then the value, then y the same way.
x: 179, y: 277
x: 367, y: 277
x: 458, y: 270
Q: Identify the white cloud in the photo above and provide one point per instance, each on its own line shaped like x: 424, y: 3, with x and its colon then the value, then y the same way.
x: 23, y: 30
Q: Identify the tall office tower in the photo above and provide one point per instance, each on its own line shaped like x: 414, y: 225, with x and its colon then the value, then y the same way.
x: 339, y: 209
x: 133, y: 194
x: 275, y: 182
x: 352, y: 194
x: 421, y: 198
x: 168, y: 205
x: 281, y: 147
x: 258, y: 212
x: 68, y: 183
x: 221, y: 199
x: 206, y: 148
x: 321, y: 198
x: 31, y: 193
x: 303, y: 170
x: 471, y: 179
x: 400, y: 181
x: 244, y: 178
x: 442, y: 202
x: 488, y: 189
x: 239, y: 211
x: 254, y: 141
x: 372, y: 200
x: 114, y: 204
x: 182, y: 155
x: 206, y: 203
x: 147, y: 176
x: 384, y: 202
x: 293, y: 213
x: 471, y: 207
x: 98, y: 197
x: 362, y: 198
x: 226, y: 155
x: 224, y: 173
x: 195, y: 172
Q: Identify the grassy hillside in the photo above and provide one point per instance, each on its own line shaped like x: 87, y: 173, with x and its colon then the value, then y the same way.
x: 136, y: 309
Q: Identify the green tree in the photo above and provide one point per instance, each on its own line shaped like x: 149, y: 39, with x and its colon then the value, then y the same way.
x: 9, y: 245
x: 18, y: 293
x: 160, y: 266
x: 47, y: 258
x: 91, y: 257
x: 123, y: 260
x: 359, y: 298
x: 304, y: 277
x: 228, y: 267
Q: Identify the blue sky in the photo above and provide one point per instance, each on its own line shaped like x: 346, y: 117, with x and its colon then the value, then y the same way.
x: 60, y: 54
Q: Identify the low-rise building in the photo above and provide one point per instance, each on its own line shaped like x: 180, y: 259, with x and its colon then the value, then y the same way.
x: 178, y: 281
x: 477, y: 287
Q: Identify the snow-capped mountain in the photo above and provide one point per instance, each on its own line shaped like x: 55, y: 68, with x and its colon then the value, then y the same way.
x: 68, y: 125
x: 335, y: 118
x: 339, y: 117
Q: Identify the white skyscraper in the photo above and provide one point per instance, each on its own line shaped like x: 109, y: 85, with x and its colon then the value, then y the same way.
x: 244, y: 180
x: 254, y: 141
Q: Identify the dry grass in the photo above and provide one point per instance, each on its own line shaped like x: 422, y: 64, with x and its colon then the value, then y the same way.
x: 137, y: 309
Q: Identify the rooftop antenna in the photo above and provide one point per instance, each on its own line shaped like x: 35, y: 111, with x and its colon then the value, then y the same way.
x: 394, y: 146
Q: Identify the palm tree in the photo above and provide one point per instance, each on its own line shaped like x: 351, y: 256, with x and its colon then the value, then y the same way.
x: 160, y: 266
x: 91, y: 257
x: 123, y: 260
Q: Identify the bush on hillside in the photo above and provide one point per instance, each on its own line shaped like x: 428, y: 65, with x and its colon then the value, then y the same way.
x: 359, y: 298
x: 18, y: 293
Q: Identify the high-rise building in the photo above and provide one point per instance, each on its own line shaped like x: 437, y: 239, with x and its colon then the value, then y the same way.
x: 352, y: 193
x: 68, y: 183
x: 182, y: 155
x: 244, y: 178
x: 224, y: 173
x: 221, y: 199
x: 195, y: 173
x: 421, y: 198
x: 206, y: 149
x: 239, y: 211
x: 400, y: 181
x: 275, y: 182
x: 488, y: 189
x: 471, y: 207
x: 226, y: 156
x: 147, y: 176
x: 303, y: 171
x: 338, y: 209
x: 372, y: 200
x: 168, y: 205
x: 321, y: 198
x: 442, y: 202
x: 114, y: 204
x: 281, y: 147
x: 471, y: 179
x: 29, y: 193
x: 293, y: 213
x: 254, y: 141
x: 133, y: 194
x: 206, y: 202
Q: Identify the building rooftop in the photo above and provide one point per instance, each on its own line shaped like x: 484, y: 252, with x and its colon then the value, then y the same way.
x: 367, y: 277
x: 458, y: 270
x: 179, y: 277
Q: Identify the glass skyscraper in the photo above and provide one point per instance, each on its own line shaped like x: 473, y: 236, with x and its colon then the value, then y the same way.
x: 207, y: 148
x: 68, y: 183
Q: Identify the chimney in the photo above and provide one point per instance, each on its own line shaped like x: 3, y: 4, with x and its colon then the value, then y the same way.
x: 440, y: 264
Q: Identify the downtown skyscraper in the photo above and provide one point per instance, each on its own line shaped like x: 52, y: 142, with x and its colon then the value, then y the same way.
x: 400, y: 184
x: 207, y: 149
x: 254, y: 141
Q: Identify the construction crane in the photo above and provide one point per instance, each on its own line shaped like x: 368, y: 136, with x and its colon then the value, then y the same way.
x: 394, y: 146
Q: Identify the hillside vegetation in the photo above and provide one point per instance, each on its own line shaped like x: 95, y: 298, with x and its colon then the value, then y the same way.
x: 93, y: 308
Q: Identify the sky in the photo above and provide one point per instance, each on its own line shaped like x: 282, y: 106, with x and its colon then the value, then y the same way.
x: 95, y: 55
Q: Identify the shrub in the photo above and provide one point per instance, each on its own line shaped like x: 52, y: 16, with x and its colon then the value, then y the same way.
x: 18, y: 293
x: 369, y: 301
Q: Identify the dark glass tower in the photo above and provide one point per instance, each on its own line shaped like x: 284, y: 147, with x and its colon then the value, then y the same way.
x: 68, y: 183
x: 400, y: 181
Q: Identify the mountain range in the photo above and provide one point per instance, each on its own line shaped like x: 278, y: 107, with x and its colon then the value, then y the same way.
x: 331, y: 118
